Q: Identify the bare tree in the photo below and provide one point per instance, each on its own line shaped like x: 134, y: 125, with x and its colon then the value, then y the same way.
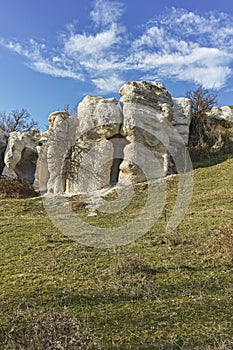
x: 202, y: 100
x: 17, y: 120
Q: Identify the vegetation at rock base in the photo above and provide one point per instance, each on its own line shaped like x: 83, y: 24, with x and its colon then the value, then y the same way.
x: 207, y: 135
x: 16, y: 189
x: 163, y: 291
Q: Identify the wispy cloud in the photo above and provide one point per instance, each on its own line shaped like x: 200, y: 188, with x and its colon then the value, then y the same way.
x: 106, y: 12
x: 88, y: 44
x: 179, y: 45
x: 108, y: 84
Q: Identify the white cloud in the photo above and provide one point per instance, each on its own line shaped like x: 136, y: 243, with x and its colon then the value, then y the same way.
x: 36, y: 61
x: 180, y: 45
x: 186, y: 46
x: 47, y: 68
x: 108, y: 84
x: 85, y: 44
x: 106, y: 12
x: 212, y: 77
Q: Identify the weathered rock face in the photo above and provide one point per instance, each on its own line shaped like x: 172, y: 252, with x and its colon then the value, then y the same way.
x: 21, y: 155
x: 222, y: 113
x: 147, y: 107
x: 52, y: 150
x: 182, y: 117
x: 91, y: 158
x: 41, y: 173
x: 99, y: 118
x: 106, y: 144
x: 220, y: 129
x: 3, y: 144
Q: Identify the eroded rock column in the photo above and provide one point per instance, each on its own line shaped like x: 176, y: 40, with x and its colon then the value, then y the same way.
x: 91, y: 159
x: 146, y: 108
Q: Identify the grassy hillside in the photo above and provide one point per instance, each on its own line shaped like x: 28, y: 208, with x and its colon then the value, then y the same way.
x: 160, y: 292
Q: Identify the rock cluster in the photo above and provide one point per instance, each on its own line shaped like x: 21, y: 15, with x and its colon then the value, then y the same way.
x: 118, y: 144
x: 220, y: 128
x: 109, y: 142
x: 20, y: 156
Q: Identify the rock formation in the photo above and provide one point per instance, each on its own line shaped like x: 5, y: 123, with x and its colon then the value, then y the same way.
x: 91, y: 157
x: 146, y: 108
x: 182, y: 116
x: 21, y: 156
x: 127, y: 144
x: 52, y: 149
x: 141, y: 137
x: 222, y: 113
x: 220, y: 129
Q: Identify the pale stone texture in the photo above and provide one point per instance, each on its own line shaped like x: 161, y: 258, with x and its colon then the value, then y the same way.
x: 52, y: 150
x: 222, y: 113
x: 21, y: 155
x: 95, y: 167
x: 99, y: 118
x: 41, y: 173
x: 147, y: 111
x: 182, y: 117
x: 92, y: 156
x: 105, y: 144
x: 221, y: 126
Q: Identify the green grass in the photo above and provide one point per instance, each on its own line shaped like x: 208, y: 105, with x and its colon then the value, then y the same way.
x: 163, y: 291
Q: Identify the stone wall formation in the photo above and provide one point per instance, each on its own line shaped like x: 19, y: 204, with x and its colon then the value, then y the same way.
x: 109, y: 142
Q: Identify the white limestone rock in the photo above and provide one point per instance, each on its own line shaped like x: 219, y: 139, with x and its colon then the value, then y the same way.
x: 140, y: 164
x: 21, y: 155
x: 92, y: 156
x: 53, y: 149
x: 221, y: 125
x: 98, y: 117
x: 95, y: 167
x: 41, y: 173
x: 107, y: 144
x: 147, y: 111
x: 222, y: 113
x: 182, y: 117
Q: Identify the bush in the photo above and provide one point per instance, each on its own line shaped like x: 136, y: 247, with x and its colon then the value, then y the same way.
x: 16, y: 189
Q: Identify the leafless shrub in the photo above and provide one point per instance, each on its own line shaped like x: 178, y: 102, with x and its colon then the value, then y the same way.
x: 134, y: 277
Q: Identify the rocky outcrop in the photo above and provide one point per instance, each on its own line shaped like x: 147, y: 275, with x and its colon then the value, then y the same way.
x: 220, y: 129
x: 21, y: 156
x: 182, y: 117
x: 222, y: 113
x: 91, y: 158
x: 108, y: 143
x: 141, y: 137
x: 147, y: 107
x: 52, y: 149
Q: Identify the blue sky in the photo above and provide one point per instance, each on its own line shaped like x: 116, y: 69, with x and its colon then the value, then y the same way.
x: 53, y: 53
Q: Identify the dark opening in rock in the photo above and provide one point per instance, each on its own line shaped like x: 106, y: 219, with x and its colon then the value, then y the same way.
x: 2, y: 151
x: 119, y: 142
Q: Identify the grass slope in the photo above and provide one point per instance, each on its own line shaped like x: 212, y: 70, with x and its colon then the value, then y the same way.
x: 159, y: 292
